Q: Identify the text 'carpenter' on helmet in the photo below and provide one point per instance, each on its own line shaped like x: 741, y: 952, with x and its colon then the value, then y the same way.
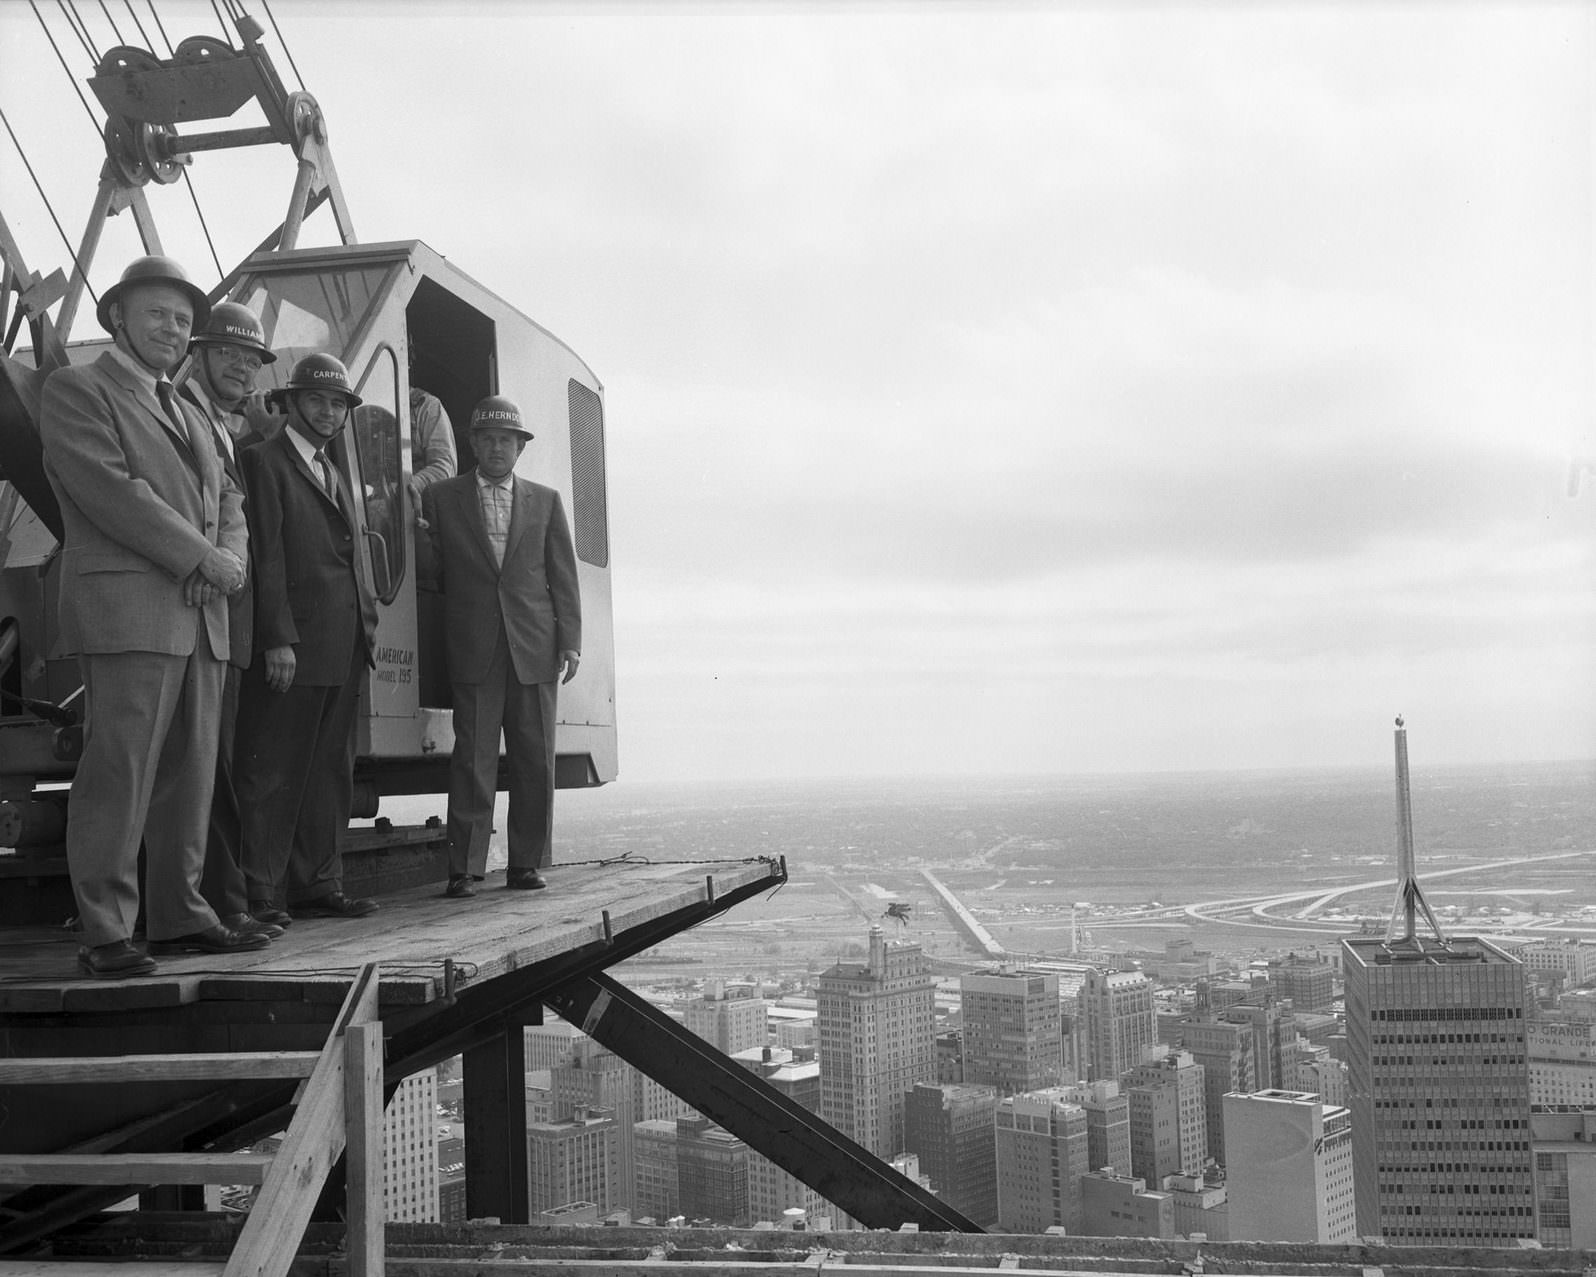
x: 234, y: 324
x: 154, y: 269
x: 498, y: 412
x: 323, y: 372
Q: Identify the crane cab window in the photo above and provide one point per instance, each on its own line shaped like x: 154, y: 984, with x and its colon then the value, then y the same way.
x: 374, y: 431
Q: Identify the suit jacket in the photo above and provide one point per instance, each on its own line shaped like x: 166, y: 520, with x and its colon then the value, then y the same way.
x: 240, y: 606
x: 141, y: 507
x: 534, y: 596
x: 311, y: 591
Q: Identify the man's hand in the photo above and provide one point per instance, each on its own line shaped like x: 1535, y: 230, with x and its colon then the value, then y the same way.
x: 414, y: 489
x: 263, y: 419
x: 570, y: 660
x: 197, y: 591
x: 279, y: 668
x: 222, y: 569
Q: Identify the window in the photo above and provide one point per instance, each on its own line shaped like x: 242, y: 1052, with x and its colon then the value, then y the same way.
x: 374, y: 431
x: 590, y: 514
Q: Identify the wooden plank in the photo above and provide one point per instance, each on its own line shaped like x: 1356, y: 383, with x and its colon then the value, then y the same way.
x: 276, y: 1223
x: 364, y: 1233
x: 107, y: 1268
x: 178, y: 1067
x: 133, y: 1168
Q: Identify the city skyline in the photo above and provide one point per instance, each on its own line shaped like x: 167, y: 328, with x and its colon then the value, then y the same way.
x: 1083, y: 390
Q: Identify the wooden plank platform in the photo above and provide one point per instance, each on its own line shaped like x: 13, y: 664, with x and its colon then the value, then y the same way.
x: 422, y: 939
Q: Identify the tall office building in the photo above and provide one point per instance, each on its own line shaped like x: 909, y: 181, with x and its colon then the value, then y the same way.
x: 772, y: 1191
x: 1274, y: 1039
x: 1290, y: 1177
x: 949, y: 1126
x: 877, y: 1023
x: 571, y: 1161
x: 656, y: 1190
x: 730, y: 1017
x: 1013, y: 1040
x: 1561, y: 1051
x: 1108, y: 1142
x: 1565, y: 1178
x: 594, y: 1078
x: 1041, y: 1156
x: 1224, y: 1049
x: 1307, y: 983
x: 1439, y: 1085
x: 1168, y: 1117
x: 712, y: 1172
x: 1117, y: 1022
x: 410, y: 1150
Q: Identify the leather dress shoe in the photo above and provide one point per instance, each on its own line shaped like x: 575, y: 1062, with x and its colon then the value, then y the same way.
x: 524, y: 880
x: 266, y: 911
x: 218, y: 939
x: 461, y: 887
x: 249, y: 924
x: 115, y: 961
x: 336, y: 905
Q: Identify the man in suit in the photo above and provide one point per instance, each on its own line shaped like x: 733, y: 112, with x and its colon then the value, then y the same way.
x: 153, y: 542
x: 499, y: 549
x: 315, y: 633
x: 224, y: 357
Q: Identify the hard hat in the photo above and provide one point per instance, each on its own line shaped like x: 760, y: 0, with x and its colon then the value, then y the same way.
x: 154, y: 270
x: 497, y: 412
x: 322, y: 372
x: 234, y: 324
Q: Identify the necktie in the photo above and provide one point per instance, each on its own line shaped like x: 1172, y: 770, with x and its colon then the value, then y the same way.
x: 163, y: 392
x: 328, y: 483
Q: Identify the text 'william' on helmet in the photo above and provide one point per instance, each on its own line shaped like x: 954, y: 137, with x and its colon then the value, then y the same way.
x: 154, y: 269
x: 498, y: 412
x: 323, y: 372
x: 234, y: 324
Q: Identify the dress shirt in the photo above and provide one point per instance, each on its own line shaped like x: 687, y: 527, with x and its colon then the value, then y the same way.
x: 163, y: 392
x: 497, y: 497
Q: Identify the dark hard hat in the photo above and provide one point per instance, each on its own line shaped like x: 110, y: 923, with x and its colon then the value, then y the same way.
x: 497, y: 412
x: 154, y: 270
x: 323, y: 372
x: 234, y: 324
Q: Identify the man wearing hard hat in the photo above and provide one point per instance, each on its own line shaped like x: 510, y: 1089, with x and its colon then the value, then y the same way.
x: 153, y: 544
x: 499, y: 548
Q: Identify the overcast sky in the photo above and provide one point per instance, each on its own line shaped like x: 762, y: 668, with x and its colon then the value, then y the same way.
x: 1004, y: 389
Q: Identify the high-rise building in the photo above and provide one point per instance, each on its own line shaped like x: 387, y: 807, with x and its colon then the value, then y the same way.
x: 1320, y: 1073
x: 1041, y: 1157
x: 1574, y: 959
x: 1565, y: 1178
x: 1117, y: 1022
x: 772, y: 1192
x: 730, y: 1017
x: 1307, y: 983
x: 949, y: 1126
x: 410, y: 1150
x: 571, y: 1161
x: 1168, y: 1116
x: 1439, y: 1083
x: 656, y: 1190
x: 1290, y: 1174
x: 1012, y: 1036
x: 1108, y: 1143
x: 594, y: 1078
x: 1561, y: 1053
x: 712, y: 1172
x: 1274, y: 1039
x: 877, y: 1025
x: 1224, y: 1049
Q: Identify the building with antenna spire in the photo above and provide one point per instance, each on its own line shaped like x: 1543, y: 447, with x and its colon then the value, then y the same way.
x: 1439, y: 1084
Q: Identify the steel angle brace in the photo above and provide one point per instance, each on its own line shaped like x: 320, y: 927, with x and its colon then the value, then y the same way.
x: 745, y: 1104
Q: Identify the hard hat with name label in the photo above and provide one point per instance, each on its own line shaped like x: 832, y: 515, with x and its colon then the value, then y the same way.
x: 154, y: 270
x: 497, y: 412
x: 234, y: 324
x: 323, y: 372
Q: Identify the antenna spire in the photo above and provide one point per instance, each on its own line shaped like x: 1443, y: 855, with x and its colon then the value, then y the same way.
x: 1409, y: 898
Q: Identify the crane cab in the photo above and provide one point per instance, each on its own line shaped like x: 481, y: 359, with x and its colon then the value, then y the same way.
x: 402, y: 318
